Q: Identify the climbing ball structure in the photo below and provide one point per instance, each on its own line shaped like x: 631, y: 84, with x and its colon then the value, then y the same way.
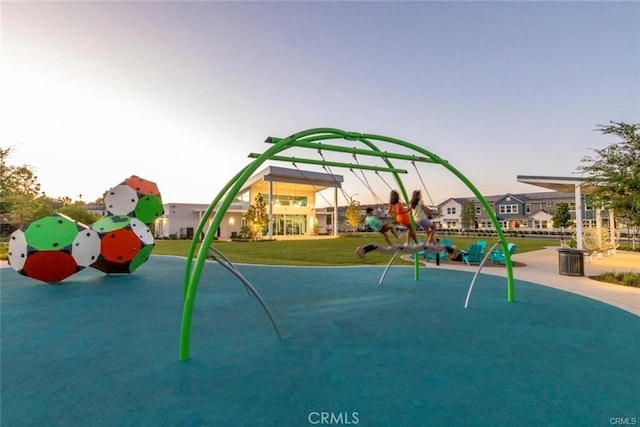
x: 53, y: 248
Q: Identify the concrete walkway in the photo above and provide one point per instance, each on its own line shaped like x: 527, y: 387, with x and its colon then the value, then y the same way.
x: 541, y: 267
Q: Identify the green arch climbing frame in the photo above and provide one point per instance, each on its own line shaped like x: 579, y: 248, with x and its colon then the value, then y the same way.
x: 311, y: 139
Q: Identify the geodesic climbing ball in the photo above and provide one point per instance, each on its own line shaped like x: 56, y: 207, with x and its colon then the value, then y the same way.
x: 125, y: 244
x: 135, y: 197
x: 53, y: 248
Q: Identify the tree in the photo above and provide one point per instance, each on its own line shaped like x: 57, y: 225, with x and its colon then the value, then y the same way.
x: 76, y: 212
x: 256, y: 218
x: 353, y: 214
x: 468, y: 217
x: 615, y: 172
x: 19, y: 190
x: 65, y: 200
x: 561, y: 218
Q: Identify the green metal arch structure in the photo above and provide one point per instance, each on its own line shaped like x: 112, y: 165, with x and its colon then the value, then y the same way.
x: 311, y: 139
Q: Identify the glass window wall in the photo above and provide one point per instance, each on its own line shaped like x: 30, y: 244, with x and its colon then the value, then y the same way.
x: 289, y: 225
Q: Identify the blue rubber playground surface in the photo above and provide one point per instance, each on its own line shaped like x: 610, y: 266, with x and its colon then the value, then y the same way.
x: 103, y: 351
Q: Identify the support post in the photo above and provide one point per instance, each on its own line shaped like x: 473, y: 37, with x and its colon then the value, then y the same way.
x: 270, y: 210
x: 335, y: 212
x: 578, y: 195
x: 228, y: 265
x: 599, y: 227
x: 612, y: 231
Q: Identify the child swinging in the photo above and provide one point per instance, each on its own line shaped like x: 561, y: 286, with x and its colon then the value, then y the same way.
x: 376, y: 225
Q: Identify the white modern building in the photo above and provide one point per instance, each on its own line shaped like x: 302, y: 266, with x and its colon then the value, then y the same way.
x: 291, y: 197
x: 180, y: 220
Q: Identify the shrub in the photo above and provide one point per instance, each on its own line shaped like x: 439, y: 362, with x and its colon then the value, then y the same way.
x: 4, y: 251
x: 628, y: 278
x: 609, y: 277
x: 631, y: 279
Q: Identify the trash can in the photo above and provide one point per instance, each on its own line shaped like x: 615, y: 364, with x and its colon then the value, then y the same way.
x: 571, y: 262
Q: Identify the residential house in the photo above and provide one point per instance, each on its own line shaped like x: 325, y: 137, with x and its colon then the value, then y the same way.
x: 527, y: 211
x: 450, y: 213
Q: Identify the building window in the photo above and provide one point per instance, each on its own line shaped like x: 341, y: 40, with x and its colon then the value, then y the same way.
x: 508, y: 209
x: 284, y: 200
x: 289, y: 225
x: 478, y: 210
x: 451, y: 211
x: 527, y: 208
x: 572, y: 206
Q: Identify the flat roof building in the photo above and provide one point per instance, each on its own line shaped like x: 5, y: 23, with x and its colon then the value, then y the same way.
x: 290, y: 196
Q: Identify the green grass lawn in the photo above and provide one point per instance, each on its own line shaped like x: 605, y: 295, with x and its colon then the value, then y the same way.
x: 340, y: 251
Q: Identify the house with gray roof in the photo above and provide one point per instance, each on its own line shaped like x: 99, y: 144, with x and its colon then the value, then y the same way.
x: 515, y: 210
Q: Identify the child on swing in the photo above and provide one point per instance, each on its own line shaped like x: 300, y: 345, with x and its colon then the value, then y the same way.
x: 422, y: 216
x: 376, y: 225
x: 402, y: 215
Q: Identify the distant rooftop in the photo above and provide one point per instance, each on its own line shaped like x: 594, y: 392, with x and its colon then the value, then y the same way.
x: 525, y: 197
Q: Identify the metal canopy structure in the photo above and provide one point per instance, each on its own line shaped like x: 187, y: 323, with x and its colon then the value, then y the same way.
x: 564, y: 185
x: 320, y: 181
x: 309, y: 139
x: 558, y: 183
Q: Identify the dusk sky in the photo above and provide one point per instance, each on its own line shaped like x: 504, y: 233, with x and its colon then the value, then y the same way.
x: 180, y: 92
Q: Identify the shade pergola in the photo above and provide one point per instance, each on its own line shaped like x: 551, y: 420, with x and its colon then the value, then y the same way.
x: 564, y: 185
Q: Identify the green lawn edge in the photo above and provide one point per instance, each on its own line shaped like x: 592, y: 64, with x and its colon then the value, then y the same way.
x: 338, y: 251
